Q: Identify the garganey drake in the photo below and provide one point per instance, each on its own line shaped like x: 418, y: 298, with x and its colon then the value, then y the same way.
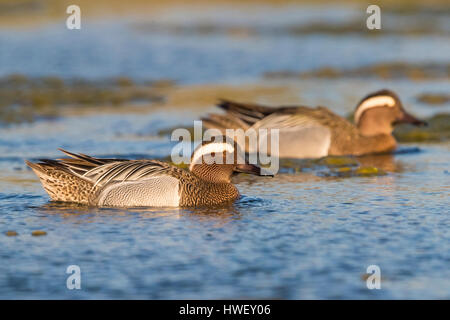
x: 317, y: 132
x: 133, y: 183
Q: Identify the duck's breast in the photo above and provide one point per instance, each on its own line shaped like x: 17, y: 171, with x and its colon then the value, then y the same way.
x: 159, y: 191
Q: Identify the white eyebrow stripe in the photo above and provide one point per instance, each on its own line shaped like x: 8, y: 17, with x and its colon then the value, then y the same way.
x: 373, y: 102
x: 210, y: 148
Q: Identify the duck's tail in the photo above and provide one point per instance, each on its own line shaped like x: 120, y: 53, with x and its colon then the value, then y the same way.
x: 223, y: 122
x: 59, y: 183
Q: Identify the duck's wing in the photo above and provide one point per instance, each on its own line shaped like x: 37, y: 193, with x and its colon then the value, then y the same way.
x: 100, y: 172
x: 137, y: 183
x: 126, y: 171
x: 245, y: 115
x: 81, y: 163
x: 302, y: 117
x: 116, y: 182
x: 305, y: 132
x: 246, y: 112
x: 222, y: 122
x: 238, y: 115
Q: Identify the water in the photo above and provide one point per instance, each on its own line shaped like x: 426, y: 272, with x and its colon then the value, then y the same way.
x: 131, y: 47
x: 296, y: 236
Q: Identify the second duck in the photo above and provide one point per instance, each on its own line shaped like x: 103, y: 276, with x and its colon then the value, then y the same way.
x: 317, y: 132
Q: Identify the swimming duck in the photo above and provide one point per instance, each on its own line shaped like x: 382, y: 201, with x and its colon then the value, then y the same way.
x: 130, y: 183
x: 317, y: 132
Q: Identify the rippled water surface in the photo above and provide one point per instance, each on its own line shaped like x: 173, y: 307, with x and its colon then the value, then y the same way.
x: 302, y: 234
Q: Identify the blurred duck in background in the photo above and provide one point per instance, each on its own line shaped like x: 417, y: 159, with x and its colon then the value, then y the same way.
x: 317, y: 132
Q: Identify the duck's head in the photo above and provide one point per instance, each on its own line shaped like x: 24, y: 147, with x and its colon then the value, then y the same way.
x: 380, y: 111
x: 217, y: 160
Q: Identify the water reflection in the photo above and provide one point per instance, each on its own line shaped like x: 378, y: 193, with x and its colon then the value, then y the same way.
x: 348, y: 166
x: 385, y: 162
x: 73, y: 212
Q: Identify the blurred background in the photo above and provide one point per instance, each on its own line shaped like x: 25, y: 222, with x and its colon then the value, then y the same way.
x: 137, y: 69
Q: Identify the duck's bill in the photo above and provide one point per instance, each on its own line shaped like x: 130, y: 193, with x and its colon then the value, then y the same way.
x: 250, y: 169
x: 408, y: 118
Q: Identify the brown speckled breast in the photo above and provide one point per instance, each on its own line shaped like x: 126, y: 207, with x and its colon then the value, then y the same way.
x: 195, y: 192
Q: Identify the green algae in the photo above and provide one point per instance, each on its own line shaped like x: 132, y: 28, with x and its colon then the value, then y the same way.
x: 332, y: 166
x: 24, y: 99
x: 434, y: 98
x: 349, y: 172
x: 354, y: 26
x: 337, y: 161
x: 388, y: 70
x: 438, y: 130
x: 369, y: 171
x: 38, y: 233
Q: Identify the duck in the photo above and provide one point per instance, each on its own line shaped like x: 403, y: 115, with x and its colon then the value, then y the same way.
x: 306, y: 132
x: 101, y: 182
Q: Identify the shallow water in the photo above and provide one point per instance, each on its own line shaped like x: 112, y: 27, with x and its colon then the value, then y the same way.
x: 298, y: 235
x: 112, y: 47
x: 302, y: 234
